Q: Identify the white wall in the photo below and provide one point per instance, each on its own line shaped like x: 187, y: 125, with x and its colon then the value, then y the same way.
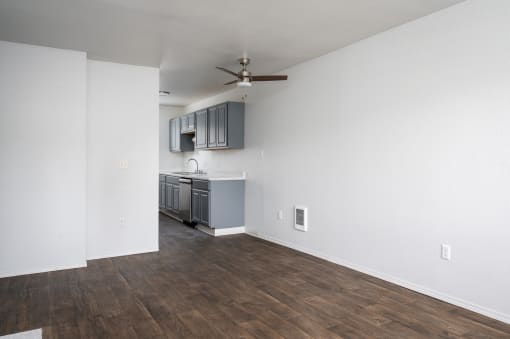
x: 168, y: 160
x: 397, y: 144
x: 42, y: 152
x: 122, y: 124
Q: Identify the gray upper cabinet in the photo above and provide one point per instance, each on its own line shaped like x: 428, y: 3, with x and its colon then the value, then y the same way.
x: 188, y: 123
x: 212, y: 127
x: 221, y: 126
x: 184, y: 124
x: 225, y: 125
x: 217, y: 127
x: 201, y: 129
x: 191, y: 122
x: 179, y: 142
x: 174, y: 139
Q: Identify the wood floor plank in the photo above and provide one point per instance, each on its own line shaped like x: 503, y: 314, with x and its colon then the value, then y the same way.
x: 236, y: 286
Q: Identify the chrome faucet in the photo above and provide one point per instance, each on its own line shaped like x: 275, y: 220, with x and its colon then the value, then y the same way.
x: 196, y: 161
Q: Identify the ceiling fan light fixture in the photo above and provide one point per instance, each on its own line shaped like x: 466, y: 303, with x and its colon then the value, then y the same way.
x: 244, y: 83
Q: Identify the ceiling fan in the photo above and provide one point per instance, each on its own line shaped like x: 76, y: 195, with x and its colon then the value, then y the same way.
x: 244, y: 77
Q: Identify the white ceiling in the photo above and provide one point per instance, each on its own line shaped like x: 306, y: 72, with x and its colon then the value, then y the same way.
x: 188, y: 38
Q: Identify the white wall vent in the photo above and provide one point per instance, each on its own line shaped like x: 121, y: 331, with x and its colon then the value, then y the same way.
x: 301, y: 218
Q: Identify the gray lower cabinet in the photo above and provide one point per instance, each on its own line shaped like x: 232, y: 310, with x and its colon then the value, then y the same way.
x: 204, y: 208
x: 200, y: 206
x: 218, y: 204
x: 169, y: 201
x: 172, y: 197
x: 195, y: 206
x: 175, y: 198
x: 169, y: 190
x: 162, y: 189
x: 214, y: 203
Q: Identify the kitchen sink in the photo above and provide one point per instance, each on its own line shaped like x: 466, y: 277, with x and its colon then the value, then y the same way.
x: 190, y: 173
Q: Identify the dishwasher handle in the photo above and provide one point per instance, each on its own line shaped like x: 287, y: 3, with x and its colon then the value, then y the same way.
x: 185, y: 181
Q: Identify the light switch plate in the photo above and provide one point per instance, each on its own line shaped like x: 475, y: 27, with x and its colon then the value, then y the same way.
x: 446, y: 252
x: 279, y: 215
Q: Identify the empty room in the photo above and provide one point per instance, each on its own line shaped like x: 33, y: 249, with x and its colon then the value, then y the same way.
x: 254, y: 169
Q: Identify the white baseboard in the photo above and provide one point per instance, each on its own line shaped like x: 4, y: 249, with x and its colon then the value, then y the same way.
x: 173, y: 216
x: 395, y: 280
x: 33, y: 334
x: 123, y: 254
x: 218, y: 232
x: 41, y: 270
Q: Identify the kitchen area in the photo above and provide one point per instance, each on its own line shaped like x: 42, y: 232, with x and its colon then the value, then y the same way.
x: 211, y: 201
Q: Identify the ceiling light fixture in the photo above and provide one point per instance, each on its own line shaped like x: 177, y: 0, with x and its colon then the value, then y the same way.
x: 244, y: 83
x: 164, y: 93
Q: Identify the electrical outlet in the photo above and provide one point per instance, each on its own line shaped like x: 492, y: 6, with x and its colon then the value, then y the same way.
x: 446, y: 252
x: 279, y: 215
x: 122, y: 222
x: 123, y: 164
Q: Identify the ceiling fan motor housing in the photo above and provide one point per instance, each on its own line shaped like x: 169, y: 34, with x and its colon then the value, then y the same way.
x: 244, y: 61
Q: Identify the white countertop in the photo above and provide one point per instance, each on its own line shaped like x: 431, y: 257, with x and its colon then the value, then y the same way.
x: 213, y: 176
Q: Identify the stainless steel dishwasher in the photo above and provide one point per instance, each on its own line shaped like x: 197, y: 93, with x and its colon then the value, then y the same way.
x: 185, y: 199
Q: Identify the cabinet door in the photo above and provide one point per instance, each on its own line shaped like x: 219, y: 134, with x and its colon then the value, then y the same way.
x: 191, y: 121
x: 212, y: 126
x: 204, y: 208
x: 162, y: 195
x: 184, y: 124
x: 201, y: 129
x: 177, y: 134
x: 195, y: 206
x: 221, y: 130
x: 169, y: 197
x: 175, y: 197
x: 171, y: 129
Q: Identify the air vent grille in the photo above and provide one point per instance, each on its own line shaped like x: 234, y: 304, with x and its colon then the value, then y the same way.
x: 301, y: 218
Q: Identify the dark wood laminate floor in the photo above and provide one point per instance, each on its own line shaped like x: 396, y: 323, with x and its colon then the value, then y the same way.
x: 235, y: 286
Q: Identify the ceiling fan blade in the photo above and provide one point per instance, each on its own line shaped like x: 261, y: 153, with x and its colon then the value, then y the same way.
x: 231, y: 82
x: 268, y: 77
x: 228, y: 71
